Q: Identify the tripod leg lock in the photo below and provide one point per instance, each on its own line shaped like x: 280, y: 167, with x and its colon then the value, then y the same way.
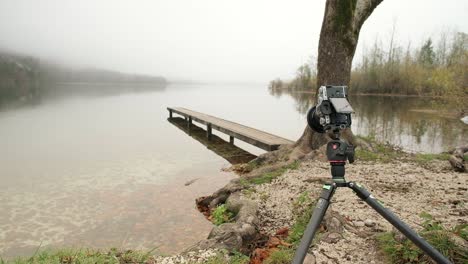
x: 327, y: 191
x: 359, y: 190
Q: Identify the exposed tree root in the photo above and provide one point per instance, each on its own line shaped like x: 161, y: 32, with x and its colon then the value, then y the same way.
x: 309, y: 146
x: 239, y: 235
x: 457, y: 159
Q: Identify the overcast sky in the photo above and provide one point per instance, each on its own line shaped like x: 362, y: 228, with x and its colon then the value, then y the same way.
x: 206, y: 40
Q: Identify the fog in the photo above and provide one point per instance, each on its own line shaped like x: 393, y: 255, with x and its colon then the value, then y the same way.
x: 208, y: 40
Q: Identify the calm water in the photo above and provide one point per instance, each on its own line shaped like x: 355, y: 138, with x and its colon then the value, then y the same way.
x: 106, y: 168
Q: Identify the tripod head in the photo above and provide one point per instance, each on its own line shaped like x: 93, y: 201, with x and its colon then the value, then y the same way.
x: 338, y: 152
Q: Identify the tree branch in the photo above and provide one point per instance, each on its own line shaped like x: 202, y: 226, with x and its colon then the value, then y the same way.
x: 364, y: 9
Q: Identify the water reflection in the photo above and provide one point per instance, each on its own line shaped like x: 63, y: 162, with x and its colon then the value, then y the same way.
x: 85, y: 89
x: 409, y: 122
x: 60, y: 91
x: 230, y: 152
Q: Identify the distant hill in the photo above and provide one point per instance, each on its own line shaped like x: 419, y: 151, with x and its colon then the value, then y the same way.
x: 24, y: 77
x: 62, y: 74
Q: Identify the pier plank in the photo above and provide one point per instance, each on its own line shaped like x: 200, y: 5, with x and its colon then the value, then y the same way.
x: 261, y: 139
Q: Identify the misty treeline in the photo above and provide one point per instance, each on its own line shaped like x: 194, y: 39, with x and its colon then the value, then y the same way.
x: 25, y: 77
x: 433, y: 68
x: 19, y: 77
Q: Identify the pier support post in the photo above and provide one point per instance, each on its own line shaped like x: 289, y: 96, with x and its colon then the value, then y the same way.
x: 231, y: 140
x: 208, y: 131
x: 189, y: 122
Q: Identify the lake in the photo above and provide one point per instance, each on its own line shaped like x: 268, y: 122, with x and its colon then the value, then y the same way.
x: 96, y: 166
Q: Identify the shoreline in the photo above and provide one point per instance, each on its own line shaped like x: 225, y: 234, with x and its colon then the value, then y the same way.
x: 374, y: 94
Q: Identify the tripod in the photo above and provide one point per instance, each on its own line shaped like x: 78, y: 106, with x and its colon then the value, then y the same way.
x: 338, y: 152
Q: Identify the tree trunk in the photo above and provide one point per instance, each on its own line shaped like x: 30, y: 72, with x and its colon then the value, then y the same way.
x: 341, y: 25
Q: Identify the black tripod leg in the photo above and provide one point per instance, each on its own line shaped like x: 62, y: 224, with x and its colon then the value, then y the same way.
x: 314, y: 223
x: 396, y: 222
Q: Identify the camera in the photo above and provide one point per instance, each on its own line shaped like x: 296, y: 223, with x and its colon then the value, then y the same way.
x: 332, y: 112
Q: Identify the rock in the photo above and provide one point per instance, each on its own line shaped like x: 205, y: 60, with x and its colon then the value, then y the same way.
x: 369, y: 223
x: 398, y: 235
x: 309, y: 259
x: 332, y: 238
x: 219, y: 196
x: 359, y: 224
x: 334, y: 224
x: 191, y: 181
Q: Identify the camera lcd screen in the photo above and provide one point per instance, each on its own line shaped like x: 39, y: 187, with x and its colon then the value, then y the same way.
x: 341, y: 105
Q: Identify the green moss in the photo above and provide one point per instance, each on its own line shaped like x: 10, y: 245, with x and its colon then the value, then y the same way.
x: 344, y: 15
x: 224, y: 258
x: 433, y: 232
x: 238, y: 258
x: 248, y: 192
x: 221, y: 215
x: 64, y: 256
x: 218, y: 259
x: 252, y: 165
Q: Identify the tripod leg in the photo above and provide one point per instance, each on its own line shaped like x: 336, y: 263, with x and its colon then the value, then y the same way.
x: 314, y: 223
x: 396, y: 222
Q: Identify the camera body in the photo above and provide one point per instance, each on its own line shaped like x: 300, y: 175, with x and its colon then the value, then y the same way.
x: 333, y: 111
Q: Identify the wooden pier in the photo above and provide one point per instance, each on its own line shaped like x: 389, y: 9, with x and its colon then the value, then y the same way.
x: 247, y: 134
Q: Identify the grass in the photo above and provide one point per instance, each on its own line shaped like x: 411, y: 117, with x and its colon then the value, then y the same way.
x: 381, y: 152
x: 433, y: 232
x: 281, y: 256
x: 221, y: 215
x: 85, y: 256
x: 269, y: 176
x: 302, y: 207
x: 426, y: 158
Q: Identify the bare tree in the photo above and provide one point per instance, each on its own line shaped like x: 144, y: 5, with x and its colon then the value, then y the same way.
x: 339, y: 35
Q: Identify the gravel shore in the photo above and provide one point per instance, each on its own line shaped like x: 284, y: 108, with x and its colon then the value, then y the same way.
x: 407, y: 188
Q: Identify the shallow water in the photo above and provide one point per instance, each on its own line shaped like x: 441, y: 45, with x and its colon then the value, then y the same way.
x: 107, y: 169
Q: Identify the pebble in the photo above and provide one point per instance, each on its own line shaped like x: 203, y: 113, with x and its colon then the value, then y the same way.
x: 369, y: 223
x: 309, y: 259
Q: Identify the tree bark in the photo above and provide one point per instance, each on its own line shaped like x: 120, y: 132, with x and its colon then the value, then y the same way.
x: 339, y: 35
